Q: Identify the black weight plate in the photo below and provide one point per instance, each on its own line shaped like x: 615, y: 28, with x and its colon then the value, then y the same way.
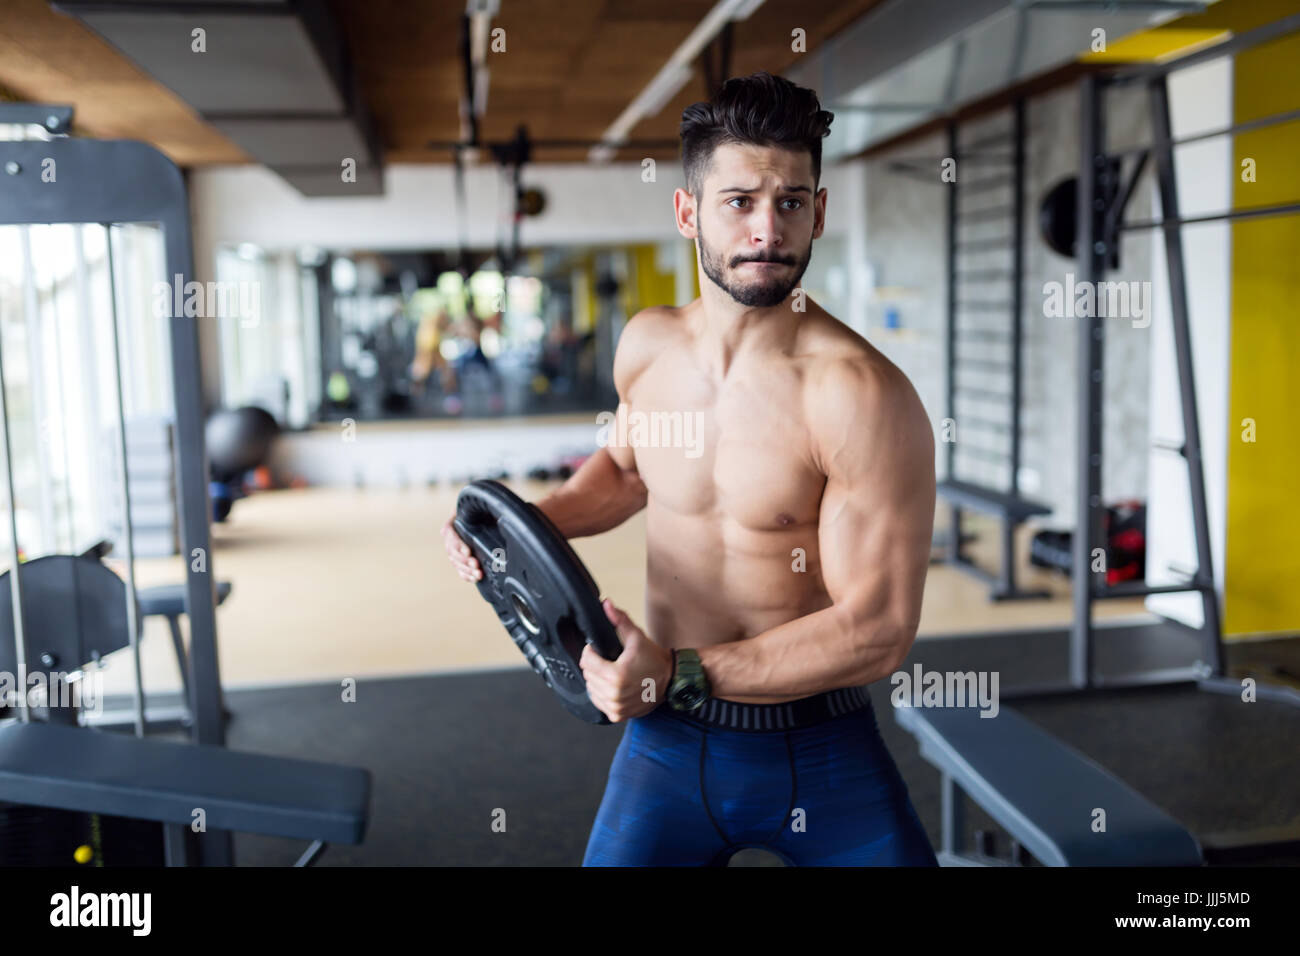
x: 539, y: 588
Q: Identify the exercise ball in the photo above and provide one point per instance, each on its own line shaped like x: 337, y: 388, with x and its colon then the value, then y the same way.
x: 238, y: 440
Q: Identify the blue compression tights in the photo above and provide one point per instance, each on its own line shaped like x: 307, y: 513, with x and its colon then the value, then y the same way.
x: 682, y: 793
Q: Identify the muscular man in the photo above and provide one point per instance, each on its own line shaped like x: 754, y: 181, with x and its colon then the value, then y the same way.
x: 787, y: 553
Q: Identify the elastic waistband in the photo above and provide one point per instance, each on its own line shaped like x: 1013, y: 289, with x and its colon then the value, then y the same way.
x: 792, y: 715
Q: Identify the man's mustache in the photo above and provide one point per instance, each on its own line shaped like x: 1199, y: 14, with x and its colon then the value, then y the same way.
x: 738, y: 261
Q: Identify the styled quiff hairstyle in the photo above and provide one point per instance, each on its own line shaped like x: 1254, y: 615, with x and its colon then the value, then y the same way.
x: 761, y: 110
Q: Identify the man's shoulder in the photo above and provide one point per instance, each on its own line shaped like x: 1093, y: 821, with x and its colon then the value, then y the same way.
x: 851, y: 383
x: 842, y: 363
x: 644, y: 337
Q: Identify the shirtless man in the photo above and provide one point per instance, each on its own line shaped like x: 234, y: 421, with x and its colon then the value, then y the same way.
x: 786, y: 561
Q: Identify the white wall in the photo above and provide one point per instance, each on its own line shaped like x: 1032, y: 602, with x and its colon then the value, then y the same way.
x: 586, y: 204
x: 390, y: 455
x: 1200, y: 99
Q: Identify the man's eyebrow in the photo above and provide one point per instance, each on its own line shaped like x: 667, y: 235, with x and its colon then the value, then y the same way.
x: 783, y: 189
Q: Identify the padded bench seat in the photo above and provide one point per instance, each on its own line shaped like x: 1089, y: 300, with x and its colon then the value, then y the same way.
x: 168, y: 600
x: 1043, y: 792
x: 73, y: 768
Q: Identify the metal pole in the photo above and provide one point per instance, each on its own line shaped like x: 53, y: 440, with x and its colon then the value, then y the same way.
x: 954, y: 546
x: 1017, y: 288
x: 952, y: 297
x: 128, y: 532
x: 1204, y: 578
x: 15, y: 583
x: 1091, y: 254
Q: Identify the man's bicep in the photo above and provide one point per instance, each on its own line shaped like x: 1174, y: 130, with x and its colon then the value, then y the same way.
x: 877, y: 521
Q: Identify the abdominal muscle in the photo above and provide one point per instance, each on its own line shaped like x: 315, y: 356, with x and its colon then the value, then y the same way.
x: 710, y: 580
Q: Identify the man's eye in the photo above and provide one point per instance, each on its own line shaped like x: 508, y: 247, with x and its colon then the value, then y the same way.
x: 738, y: 199
x: 797, y: 203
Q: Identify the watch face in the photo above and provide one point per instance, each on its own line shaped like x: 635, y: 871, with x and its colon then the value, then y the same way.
x: 691, y: 697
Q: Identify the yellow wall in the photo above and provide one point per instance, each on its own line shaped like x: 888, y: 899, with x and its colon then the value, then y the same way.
x: 649, y: 286
x: 1262, y: 562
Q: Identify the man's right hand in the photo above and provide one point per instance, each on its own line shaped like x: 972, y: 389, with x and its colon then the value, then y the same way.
x: 458, y: 552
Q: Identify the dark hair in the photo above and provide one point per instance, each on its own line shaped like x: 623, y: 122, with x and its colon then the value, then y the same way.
x: 760, y: 109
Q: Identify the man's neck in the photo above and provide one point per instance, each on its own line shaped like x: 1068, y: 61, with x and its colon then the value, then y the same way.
x: 724, y: 328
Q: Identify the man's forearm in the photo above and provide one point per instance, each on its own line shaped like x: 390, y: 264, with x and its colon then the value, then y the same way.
x: 815, y: 653
x: 598, y: 496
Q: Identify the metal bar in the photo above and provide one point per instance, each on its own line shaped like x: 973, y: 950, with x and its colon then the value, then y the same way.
x: 15, y: 564
x: 54, y: 119
x: 983, y: 422
x: 146, y: 187
x: 981, y: 274
x: 988, y: 365
x: 1249, y: 125
x: 926, y: 176
x: 1136, y: 589
x: 1000, y: 242
x: 986, y: 454
x: 1115, y: 211
x: 956, y: 538
x: 36, y: 388
x: 951, y: 356
x: 1092, y: 253
x: 123, y: 475
x: 1007, y: 579
x: 1262, y: 123
x: 1161, y: 677
x: 982, y: 306
x: 1271, y: 692
x: 952, y: 815
x: 989, y: 139
x: 982, y: 393
x: 1164, y: 153
x: 312, y: 853
x: 1258, y: 212
x: 990, y: 182
x: 1111, y: 6
x: 176, y: 848
x: 983, y: 335
x: 984, y: 213
x: 1242, y: 41
x: 1017, y: 300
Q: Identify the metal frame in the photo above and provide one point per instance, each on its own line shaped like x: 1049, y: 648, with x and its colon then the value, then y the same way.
x: 1101, y: 222
x: 1003, y: 584
x: 108, y: 182
x: 1101, y: 205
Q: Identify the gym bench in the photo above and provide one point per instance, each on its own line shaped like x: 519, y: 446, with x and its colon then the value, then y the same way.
x: 1042, y: 792
x: 88, y: 771
x: 1012, y: 511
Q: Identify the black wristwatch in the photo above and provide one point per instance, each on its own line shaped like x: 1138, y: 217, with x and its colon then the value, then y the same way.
x: 688, y: 688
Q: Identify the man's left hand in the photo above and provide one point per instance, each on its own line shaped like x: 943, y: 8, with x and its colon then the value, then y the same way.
x: 637, y: 682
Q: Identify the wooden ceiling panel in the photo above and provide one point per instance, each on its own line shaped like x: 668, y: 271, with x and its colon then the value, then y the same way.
x: 570, y: 68
x: 47, y: 57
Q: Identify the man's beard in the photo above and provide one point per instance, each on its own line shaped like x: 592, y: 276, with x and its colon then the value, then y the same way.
x: 757, y: 293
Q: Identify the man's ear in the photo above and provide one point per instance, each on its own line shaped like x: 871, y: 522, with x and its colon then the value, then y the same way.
x: 684, y: 213
x: 819, y: 213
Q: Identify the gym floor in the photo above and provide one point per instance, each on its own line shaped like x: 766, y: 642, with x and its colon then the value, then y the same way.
x: 339, y: 582
x: 336, y: 583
